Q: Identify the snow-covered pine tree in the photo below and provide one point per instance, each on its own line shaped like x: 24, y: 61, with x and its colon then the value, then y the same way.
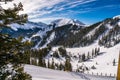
x: 11, y: 51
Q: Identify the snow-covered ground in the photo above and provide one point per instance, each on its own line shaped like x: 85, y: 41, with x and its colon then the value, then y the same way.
x: 104, y: 66
x: 103, y: 62
x: 39, y: 73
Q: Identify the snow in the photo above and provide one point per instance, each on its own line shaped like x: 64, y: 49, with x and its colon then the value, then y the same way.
x: 65, y: 21
x: 118, y: 16
x: 109, y: 26
x: 39, y: 73
x: 1, y: 22
x: 28, y: 25
x: 93, y: 31
x: 104, y: 61
x: 119, y: 23
x: 50, y: 39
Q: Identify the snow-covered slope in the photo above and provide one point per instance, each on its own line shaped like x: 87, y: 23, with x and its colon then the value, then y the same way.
x: 66, y: 21
x: 39, y: 73
x: 103, y: 62
x: 28, y: 25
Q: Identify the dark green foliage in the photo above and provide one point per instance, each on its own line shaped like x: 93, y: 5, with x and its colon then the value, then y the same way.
x: 55, y: 54
x: 72, y: 35
x: 37, y: 56
x: 93, y: 53
x: 83, y: 57
x: 52, y: 64
x: 88, y: 56
x: 61, y: 66
x: 11, y: 15
x: 12, y: 50
x: 44, y: 63
x: 68, y: 66
x: 62, y: 51
x: 48, y: 64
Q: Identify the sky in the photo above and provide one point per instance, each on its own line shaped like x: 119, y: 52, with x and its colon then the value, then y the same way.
x: 86, y: 11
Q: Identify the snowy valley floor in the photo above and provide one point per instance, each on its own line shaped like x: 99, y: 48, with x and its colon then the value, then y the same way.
x: 39, y: 73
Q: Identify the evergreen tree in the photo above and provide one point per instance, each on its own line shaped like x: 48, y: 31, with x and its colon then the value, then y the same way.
x: 88, y: 56
x: 114, y: 62
x: 11, y: 51
x: 80, y: 57
x: 68, y: 66
x: 61, y: 66
x: 93, y: 53
x: 52, y: 64
x: 83, y: 57
x: 44, y: 63
x: 62, y: 51
x: 48, y: 64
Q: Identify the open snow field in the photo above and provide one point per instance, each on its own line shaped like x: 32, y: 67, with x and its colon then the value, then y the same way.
x: 39, y: 73
x: 104, y: 61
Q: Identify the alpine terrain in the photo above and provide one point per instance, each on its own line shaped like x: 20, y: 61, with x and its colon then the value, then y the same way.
x: 65, y: 49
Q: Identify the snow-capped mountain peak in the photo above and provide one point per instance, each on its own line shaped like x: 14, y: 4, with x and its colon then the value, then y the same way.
x: 118, y: 16
x: 65, y: 21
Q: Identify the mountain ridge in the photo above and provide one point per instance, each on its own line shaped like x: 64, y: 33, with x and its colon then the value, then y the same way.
x: 70, y: 34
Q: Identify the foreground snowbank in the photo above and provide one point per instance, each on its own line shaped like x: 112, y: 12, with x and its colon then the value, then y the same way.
x: 39, y: 73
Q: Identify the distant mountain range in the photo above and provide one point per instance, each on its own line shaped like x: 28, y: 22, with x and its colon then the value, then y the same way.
x: 68, y: 32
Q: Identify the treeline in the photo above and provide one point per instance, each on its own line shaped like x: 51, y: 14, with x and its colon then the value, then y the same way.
x: 44, y: 58
x: 86, y: 56
x: 38, y: 58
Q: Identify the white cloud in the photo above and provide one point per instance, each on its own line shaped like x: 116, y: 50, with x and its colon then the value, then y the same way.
x: 37, y: 8
x: 45, y: 20
x: 33, y: 5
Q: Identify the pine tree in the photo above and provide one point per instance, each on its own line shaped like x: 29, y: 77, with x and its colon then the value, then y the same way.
x: 61, y: 67
x: 68, y: 66
x: 48, y: 64
x: 11, y: 52
x: 44, y: 63
x: 80, y: 58
x: 93, y: 54
x: 96, y: 52
x: 52, y: 64
x: 83, y: 57
x: 114, y: 62
x: 88, y: 56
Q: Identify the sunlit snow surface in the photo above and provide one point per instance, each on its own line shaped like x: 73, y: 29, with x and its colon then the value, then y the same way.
x: 39, y: 73
x: 104, y: 61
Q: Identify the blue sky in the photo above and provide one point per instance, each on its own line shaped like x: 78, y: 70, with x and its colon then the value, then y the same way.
x: 87, y: 11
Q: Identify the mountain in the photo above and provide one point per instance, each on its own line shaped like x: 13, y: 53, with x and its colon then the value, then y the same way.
x: 69, y: 35
x: 42, y: 34
x: 90, y: 49
x: 68, y: 32
x: 29, y: 31
x: 66, y: 21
